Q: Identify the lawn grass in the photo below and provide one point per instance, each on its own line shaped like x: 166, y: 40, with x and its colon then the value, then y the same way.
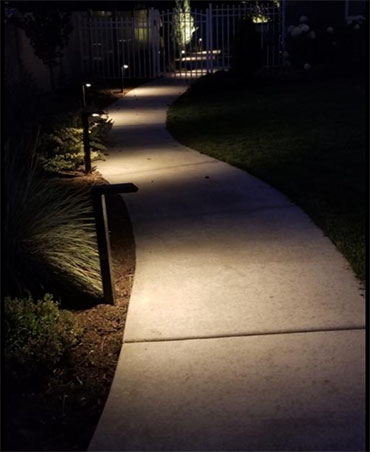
x: 307, y: 138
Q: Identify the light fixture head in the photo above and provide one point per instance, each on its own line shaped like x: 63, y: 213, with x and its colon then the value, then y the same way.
x: 183, y: 52
x: 91, y: 111
x: 125, y: 66
x: 88, y: 85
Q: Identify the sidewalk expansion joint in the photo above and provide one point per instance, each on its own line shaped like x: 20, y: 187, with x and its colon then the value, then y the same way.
x: 267, y: 333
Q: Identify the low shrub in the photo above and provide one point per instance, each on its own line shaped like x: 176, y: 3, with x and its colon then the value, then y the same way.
x: 37, y: 334
x: 309, y: 44
x: 61, y: 147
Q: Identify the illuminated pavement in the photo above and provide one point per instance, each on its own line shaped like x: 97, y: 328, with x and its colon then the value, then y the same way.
x: 245, y: 329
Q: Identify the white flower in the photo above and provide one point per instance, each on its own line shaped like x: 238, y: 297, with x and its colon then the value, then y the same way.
x: 330, y: 30
x: 304, y: 27
x: 360, y: 18
x: 349, y: 22
x: 285, y: 54
x: 334, y: 43
x: 296, y: 32
x: 307, y: 66
x: 356, y: 27
x: 290, y: 28
x: 312, y: 34
x: 303, y: 19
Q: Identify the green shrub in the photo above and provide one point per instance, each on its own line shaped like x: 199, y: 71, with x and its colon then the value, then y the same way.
x: 100, y: 130
x: 49, y: 232
x: 247, y: 57
x: 37, y: 334
x: 61, y: 147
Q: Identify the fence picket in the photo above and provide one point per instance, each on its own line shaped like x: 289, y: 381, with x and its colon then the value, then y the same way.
x: 148, y: 44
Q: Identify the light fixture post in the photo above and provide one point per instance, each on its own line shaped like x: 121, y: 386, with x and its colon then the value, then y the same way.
x: 83, y: 96
x: 84, y: 86
x: 123, y: 67
x: 86, y: 141
x: 86, y: 113
x: 99, y: 193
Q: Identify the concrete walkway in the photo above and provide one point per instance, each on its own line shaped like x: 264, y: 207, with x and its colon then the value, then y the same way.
x: 245, y: 329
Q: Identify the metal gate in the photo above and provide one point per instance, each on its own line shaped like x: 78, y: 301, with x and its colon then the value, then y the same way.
x: 176, y: 43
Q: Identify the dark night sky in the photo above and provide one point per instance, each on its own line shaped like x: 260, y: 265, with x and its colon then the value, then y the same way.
x: 317, y: 10
x: 102, y: 5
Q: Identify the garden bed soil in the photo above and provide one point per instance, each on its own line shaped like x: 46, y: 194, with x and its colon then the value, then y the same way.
x: 61, y: 410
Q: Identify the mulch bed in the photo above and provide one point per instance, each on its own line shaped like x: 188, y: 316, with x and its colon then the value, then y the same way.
x: 61, y: 410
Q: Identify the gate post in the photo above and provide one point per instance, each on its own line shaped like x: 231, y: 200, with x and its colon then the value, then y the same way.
x: 209, y: 38
x: 154, y: 21
x: 211, y: 34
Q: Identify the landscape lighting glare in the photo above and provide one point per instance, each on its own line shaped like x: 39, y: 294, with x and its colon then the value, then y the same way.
x: 84, y: 86
x: 123, y: 67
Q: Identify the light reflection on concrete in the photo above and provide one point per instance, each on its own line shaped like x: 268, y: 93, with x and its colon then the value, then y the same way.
x: 279, y: 392
x: 220, y: 253
x: 247, y: 258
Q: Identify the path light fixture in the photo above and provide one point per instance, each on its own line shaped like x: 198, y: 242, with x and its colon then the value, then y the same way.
x: 84, y: 86
x: 182, y: 55
x: 86, y: 113
x: 99, y: 193
x: 123, y: 67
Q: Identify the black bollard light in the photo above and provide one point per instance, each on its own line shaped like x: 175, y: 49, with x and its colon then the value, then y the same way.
x: 84, y: 86
x: 123, y: 67
x: 86, y: 113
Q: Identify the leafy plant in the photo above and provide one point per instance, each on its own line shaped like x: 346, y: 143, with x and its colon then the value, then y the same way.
x: 62, y: 147
x: 37, y: 334
x: 302, y: 43
x: 310, y: 43
x: 49, y: 233
x: 183, y: 23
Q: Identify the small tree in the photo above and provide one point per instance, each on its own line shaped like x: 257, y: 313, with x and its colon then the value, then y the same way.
x: 183, y: 23
x: 48, y: 31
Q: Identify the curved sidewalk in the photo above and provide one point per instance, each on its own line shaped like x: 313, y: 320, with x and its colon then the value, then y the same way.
x: 245, y: 329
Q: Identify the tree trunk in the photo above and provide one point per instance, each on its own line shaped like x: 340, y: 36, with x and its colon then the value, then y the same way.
x: 52, y: 80
x: 62, y: 75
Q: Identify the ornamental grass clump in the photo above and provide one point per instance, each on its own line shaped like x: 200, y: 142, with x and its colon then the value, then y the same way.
x: 37, y: 334
x: 49, y: 232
